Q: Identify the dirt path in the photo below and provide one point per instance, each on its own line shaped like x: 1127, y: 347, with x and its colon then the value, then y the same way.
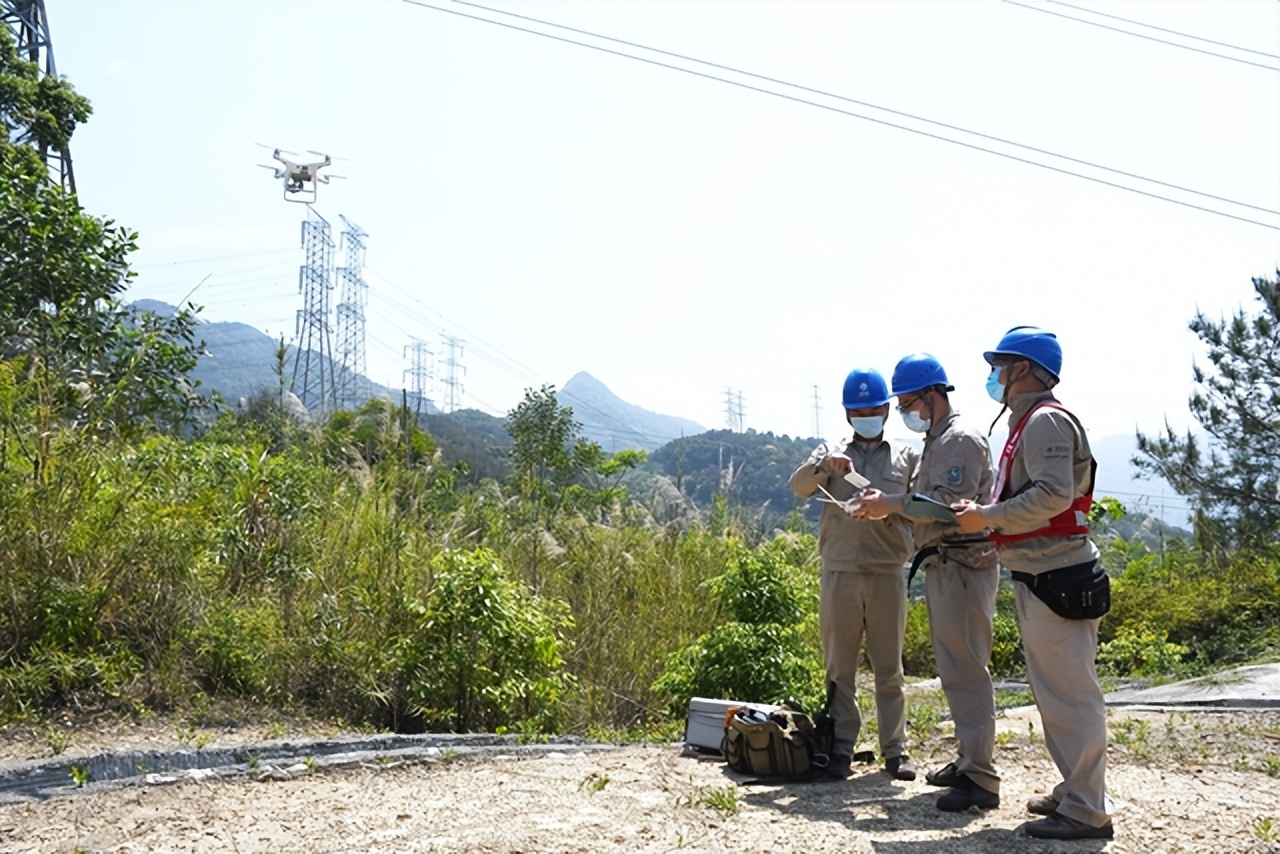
x: 1182, y: 782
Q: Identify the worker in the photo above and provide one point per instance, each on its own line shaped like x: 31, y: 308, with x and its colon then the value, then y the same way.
x: 861, y: 591
x: 960, y: 575
x: 1039, y: 521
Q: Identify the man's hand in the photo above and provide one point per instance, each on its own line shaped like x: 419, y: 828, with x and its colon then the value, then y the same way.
x: 874, y: 504
x: 838, y: 463
x: 969, y: 516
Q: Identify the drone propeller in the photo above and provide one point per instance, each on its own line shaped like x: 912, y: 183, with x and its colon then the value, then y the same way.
x: 276, y: 149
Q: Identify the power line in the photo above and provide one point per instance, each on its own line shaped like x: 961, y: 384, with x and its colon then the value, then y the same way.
x: 1140, y: 35
x: 855, y: 115
x: 889, y: 110
x: 1163, y: 30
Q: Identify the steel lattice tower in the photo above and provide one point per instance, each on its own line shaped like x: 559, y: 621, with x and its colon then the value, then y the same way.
x: 313, y: 380
x: 27, y: 20
x: 418, y: 373
x: 353, y: 387
x: 453, y: 385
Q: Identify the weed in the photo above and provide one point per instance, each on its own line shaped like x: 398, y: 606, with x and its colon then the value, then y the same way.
x: 724, y: 799
x: 253, y: 762
x: 201, y: 739
x: 593, y: 783
x: 80, y: 775
x: 1266, y: 828
x: 1004, y: 737
x: 309, y: 762
x: 185, y: 733
x: 275, y: 729
x: 1013, y: 699
x: 55, y: 739
x: 143, y: 768
x: 1271, y: 764
x: 1135, y: 734
x: 924, y: 713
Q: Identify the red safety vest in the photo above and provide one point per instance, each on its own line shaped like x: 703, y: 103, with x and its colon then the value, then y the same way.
x: 1073, y: 520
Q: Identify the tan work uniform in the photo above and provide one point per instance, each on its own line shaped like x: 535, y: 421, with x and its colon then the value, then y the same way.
x: 862, y: 594
x: 1050, y: 468
x: 960, y: 592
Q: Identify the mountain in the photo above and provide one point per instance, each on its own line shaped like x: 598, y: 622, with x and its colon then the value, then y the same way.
x: 615, y: 424
x: 239, y: 360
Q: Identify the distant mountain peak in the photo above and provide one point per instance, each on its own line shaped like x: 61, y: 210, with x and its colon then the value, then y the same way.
x: 615, y: 424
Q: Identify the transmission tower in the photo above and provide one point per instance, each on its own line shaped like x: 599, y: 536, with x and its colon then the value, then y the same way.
x: 313, y: 380
x: 418, y: 373
x: 733, y: 413
x: 353, y: 387
x: 27, y: 20
x: 452, y: 382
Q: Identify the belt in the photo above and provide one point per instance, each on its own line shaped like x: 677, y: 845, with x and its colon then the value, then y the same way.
x: 929, y: 551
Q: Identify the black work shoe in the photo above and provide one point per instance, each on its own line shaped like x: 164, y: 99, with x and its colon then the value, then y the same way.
x: 900, y: 767
x: 838, y: 766
x: 946, y: 776
x: 1043, y: 805
x: 1058, y: 826
x: 966, y: 793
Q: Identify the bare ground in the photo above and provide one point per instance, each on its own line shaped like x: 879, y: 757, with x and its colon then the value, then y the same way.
x: 1197, y: 781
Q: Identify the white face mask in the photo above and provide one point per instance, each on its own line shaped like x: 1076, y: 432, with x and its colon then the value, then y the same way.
x: 915, y: 423
x: 867, y: 426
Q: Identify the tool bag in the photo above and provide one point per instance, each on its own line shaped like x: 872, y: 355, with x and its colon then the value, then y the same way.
x: 781, y: 743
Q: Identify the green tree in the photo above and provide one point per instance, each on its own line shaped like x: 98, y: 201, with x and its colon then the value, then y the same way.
x: 93, y: 362
x: 1233, y: 481
x: 555, y: 469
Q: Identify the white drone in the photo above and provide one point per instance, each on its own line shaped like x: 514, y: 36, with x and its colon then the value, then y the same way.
x: 301, y: 179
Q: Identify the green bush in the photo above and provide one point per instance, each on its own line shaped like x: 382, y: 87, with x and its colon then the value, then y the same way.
x: 485, y: 652
x: 1139, y: 650
x: 760, y: 658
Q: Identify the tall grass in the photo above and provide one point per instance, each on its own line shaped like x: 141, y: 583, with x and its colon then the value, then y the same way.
x: 344, y: 570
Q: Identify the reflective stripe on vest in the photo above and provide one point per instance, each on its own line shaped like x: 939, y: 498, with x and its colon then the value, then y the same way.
x: 1075, y: 519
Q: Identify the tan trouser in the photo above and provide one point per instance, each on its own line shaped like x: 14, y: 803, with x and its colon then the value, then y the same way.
x: 854, y: 604
x: 1060, y: 655
x: 962, y: 604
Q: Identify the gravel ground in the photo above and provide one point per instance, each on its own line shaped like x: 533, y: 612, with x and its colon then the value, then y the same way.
x: 1182, y: 781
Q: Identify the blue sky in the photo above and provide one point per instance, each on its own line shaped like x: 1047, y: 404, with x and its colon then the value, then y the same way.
x: 561, y: 209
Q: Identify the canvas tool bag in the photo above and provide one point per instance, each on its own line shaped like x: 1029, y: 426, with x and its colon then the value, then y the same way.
x: 781, y: 743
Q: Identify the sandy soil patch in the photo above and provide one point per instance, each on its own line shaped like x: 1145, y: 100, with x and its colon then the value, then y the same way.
x: 1181, y: 781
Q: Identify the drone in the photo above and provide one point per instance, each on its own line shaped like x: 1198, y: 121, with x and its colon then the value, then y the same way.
x: 301, y: 178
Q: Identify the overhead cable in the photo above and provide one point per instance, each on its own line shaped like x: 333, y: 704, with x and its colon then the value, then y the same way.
x: 829, y: 108
x: 1163, y: 30
x: 1141, y: 36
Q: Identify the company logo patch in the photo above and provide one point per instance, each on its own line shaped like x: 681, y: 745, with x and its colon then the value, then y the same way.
x: 1058, y: 451
x: 955, y: 476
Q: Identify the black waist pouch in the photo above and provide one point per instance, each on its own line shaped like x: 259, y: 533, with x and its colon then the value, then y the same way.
x: 1080, y: 592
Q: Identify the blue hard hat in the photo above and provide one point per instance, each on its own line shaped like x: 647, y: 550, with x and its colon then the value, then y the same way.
x: 917, y: 371
x: 864, y: 388
x: 1030, y: 342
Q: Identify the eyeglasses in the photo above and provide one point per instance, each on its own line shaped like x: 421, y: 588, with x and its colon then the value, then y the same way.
x: 903, y: 407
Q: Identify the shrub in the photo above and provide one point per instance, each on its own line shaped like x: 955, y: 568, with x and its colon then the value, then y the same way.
x: 1140, y: 650
x: 765, y: 657
x: 485, y: 652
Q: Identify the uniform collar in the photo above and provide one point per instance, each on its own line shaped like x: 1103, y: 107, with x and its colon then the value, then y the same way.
x: 1020, y: 403
x: 937, y: 428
